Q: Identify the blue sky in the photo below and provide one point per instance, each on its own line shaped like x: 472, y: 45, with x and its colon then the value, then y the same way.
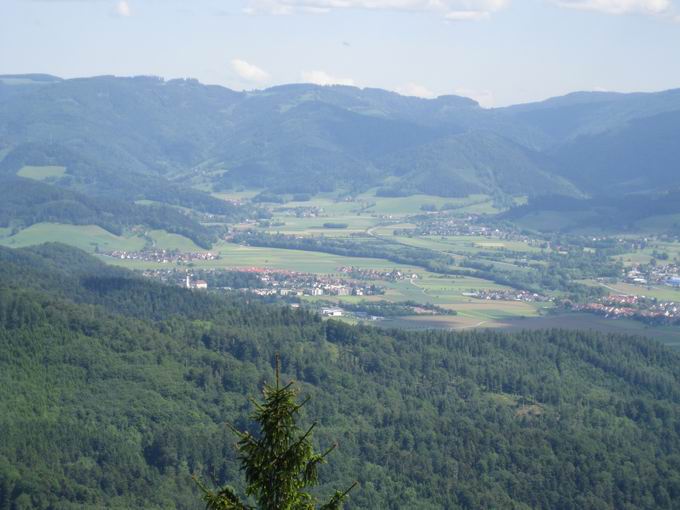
x: 497, y: 51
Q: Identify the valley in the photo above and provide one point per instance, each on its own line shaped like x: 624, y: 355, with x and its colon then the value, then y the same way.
x: 339, y: 255
x: 489, y: 272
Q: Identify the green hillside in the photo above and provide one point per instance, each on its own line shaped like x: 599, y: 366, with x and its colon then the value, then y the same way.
x: 173, y: 142
x: 116, y: 389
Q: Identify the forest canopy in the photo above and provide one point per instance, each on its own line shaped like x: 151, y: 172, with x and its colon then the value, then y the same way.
x: 115, y: 390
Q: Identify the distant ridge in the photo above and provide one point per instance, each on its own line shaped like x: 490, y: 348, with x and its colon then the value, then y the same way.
x: 130, y: 135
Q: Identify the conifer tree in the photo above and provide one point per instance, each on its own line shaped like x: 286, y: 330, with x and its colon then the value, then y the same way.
x: 280, y: 463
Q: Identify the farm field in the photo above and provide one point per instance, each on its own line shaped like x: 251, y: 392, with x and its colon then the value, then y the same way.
x: 239, y: 256
x: 314, y: 226
x: 459, y: 244
x: 167, y: 241
x: 400, y: 206
x: 85, y: 237
x: 661, y: 292
x: 672, y: 249
x: 41, y: 173
x: 366, y: 214
x: 669, y: 335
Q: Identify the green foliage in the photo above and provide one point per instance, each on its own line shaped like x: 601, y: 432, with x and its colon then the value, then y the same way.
x: 24, y: 202
x: 280, y: 462
x: 115, y: 390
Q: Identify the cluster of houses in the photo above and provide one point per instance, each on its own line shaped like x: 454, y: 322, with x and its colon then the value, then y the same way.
x: 286, y: 283
x: 317, y: 288
x: 650, y: 274
x: 376, y: 274
x: 277, y: 282
x: 634, y: 307
x: 162, y: 256
x: 507, y: 295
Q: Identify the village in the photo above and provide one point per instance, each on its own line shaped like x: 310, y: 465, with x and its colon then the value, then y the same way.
x: 162, y: 256
x: 265, y: 282
x: 470, y: 225
x: 508, y: 295
x: 393, y: 275
x: 633, y: 307
x: 654, y: 274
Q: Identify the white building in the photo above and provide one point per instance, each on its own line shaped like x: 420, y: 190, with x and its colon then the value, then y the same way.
x: 332, y: 312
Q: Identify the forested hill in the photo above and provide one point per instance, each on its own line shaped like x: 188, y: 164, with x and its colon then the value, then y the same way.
x: 115, y: 390
x: 148, y: 138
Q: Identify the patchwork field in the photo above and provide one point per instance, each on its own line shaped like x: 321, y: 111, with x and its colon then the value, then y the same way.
x: 365, y: 214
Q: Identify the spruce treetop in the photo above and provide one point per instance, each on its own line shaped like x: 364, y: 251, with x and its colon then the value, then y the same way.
x: 279, y: 463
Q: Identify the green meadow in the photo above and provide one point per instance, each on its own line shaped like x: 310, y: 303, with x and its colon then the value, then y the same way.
x: 41, y: 173
x: 85, y: 237
x: 165, y: 240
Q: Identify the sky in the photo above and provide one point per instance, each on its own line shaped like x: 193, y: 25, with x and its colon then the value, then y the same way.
x: 498, y: 52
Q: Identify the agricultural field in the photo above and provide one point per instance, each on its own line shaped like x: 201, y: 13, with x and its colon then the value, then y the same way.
x: 86, y: 237
x: 660, y: 292
x: 644, y: 256
x: 366, y: 218
x: 666, y: 334
x: 464, y: 245
x: 315, y: 226
x: 401, y: 206
x: 164, y: 240
x: 41, y: 173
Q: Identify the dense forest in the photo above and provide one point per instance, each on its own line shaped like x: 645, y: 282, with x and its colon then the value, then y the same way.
x: 604, y: 212
x: 116, y: 389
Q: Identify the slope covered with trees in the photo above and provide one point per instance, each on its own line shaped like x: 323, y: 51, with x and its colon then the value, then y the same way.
x: 115, y: 390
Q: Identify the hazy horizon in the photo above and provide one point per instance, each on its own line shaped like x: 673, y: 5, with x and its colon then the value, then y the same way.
x: 498, y: 52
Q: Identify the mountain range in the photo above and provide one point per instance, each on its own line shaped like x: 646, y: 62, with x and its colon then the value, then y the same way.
x: 164, y: 140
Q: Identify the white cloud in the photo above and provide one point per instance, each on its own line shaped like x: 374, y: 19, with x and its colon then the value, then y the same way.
x: 249, y: 72
x: 620, y: 6
x: 123, y: 9
x: 466, y: 15
x: 413, y: 89
x: 455, y: 10
x: 323, y: 78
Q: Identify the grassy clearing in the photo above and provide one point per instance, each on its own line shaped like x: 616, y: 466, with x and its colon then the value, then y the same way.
x: 41, y: 173
x: 669, y: 335
x: 467, y: 245
x: 236, y: 195
x: 314, y: 226
x: 85, y: 237
x: 165, y: 240
x: 234, y: 255
x: 399, y: 206
x: 661, y: 292
x: 645, y: 256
